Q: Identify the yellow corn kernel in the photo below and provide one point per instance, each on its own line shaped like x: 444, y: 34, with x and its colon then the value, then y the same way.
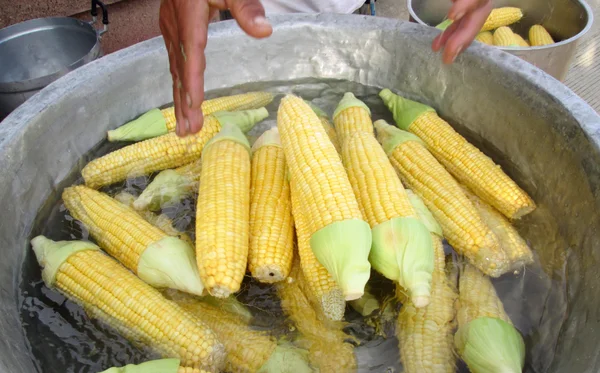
x: 351, y: 116
x: 538, y: 36
x: 463, y: 160
x: 520, y: 41
x: 222, y: 213
x: 502, y: 17
x: 331, y: 133
x: 109, y: 292
x: 190, y: 370
x: 504, y: 37
x: 271, y: 225
x: 191, y: 170
x: 426, y: 334
x: 485, y: 37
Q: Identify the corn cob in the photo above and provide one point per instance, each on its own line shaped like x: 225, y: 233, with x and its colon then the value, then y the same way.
x: 320, y: 284
x: 402, y: 249
x: 155, y: 366
x: 329, y: 128
x: 222, y: 212
x: 248, y: 351
x: 502, y: 17
x: 539, y: 36
x: 351, y: 115
x: 158, y: 122
x: 169, y: 187
x: 520, y: 41
x: 425, y: 334
x: 485, y: 37
x: 339, y: 237
x: 81, y: 272
x: 166, y: 151
x: 511, y: 242
x: 461, y: 224
x: 505, y: 37
x: 463, y: 160
x: 157, y: 258
x: 486, y: 339
x: 271, y: 224
x: 325, y: 341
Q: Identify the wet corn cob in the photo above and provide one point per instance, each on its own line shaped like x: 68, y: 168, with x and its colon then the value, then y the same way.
x: 511, y: 242
x: 162, y: 221
x: 486, y: 339
x: 170, y: 187
x: 485, y: 37
x: 538, y: 36
x: 133, y: 241
x: 443, y: 196
x: 329, y: 128
x: 320, y: 284
x: 155, y: 366
x: 339, y: 237
x: 502, y: 17
x: 520, y: 41
x: 158, y: 122
x: 271, y: 224
x: 505, y: 37
x: 402, y: 249
x: 463, y: 160
x: 248, y: 351
x: 324, y: 339
x: 163, y: 152
x: 222, y: 212
x: 106, y: 290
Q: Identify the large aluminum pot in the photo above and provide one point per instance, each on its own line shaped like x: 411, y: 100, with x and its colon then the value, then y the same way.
x: 567, y: 21
x: 546, y: 137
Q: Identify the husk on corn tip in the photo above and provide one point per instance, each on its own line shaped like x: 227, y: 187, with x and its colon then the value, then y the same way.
x: 444, y: 24
x: 287, y: 358
x: 153, y: 366
x: 168, y: 187
x: 148, y: 125
x: 425, y: 216
x: 245, y: 120
x: 390, y: 137
x: 269, y: 137
x: 349, y: 101
x: 229, y: 132
x: 404, y: 111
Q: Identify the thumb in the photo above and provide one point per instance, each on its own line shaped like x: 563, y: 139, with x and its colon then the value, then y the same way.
x: 250, y: 15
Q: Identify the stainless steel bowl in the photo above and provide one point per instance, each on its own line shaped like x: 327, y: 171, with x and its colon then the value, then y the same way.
x: 542, y: 134
x: 566, y: 20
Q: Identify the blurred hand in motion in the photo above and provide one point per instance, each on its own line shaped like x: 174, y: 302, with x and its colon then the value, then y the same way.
x: 468, y: 17
x: 184, y: 26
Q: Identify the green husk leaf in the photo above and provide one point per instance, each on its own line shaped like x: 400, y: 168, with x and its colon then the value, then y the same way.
x: 367, y: 304
x: 444, y: 24
x: 269, y: 137
x: 168, y: 188
x: 229, y: 132
x: 424, y: 214
x: 403, y: 251
x: 244, y: 119
x: 153, y: 366
x: 490, y: 345
x: 390, y: 137
x: 52, y: 254
x: 171, y: 263
x: 348, y: 101
x: 316, y: 109
x: 148, y: 125
x: 405, y: 111
x: 343, y: 249
x: 287, y: 359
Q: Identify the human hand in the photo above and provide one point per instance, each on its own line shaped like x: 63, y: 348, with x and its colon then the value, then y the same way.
x: 184, y: 26
x: 468, y: 17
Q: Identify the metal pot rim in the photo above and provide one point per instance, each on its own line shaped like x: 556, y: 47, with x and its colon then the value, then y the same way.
x: 582, y: 3
x: 36, y: 83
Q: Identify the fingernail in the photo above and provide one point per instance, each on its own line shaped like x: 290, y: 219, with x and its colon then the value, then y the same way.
x: 188, y: 99
x: 261, y: 21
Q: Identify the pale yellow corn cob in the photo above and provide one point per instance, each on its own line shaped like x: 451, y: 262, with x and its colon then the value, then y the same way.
x: 505, y: 37
x: 467, y: 163
x: 538, y: 36
x: 321, y: 285
x: 190, y: 370
x: 353, y: 119
x: 520, y: 41
x: 106, y: 290
x: 325, y: 340
x: 271, y: 245
x: 443, y: 196
x: 326, y: 197
x: 513, y: 245
x: 223, y: 209
x: 191, y: 170
x: 331, y: 133
x: 502, y: 17
x: 426, y: 334
x: 485, y: 37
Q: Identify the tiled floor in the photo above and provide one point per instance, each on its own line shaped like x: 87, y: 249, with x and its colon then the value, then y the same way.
x: 583, y: 77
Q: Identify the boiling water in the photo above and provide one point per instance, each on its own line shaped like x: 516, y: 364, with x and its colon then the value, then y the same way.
x: 63, y: 339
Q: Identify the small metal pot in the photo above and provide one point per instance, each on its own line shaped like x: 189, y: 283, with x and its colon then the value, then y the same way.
x: 566, y: 20
x: 35, y: 53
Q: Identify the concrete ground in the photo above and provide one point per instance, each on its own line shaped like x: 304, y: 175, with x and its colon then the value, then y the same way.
x: 584, y: 75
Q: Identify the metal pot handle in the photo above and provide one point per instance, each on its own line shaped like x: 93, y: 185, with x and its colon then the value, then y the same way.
x: 95, y: 5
